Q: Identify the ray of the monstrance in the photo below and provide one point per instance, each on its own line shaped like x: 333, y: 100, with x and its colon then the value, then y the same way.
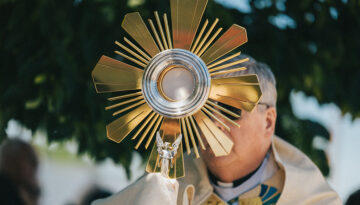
x: 241, y: 92
x: 134, y: 115
x: 185, y: 17
x: 110, y: 75
x: 169, y: 132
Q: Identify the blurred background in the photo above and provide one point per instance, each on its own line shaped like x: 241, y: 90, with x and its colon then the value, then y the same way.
x: 49, y: 48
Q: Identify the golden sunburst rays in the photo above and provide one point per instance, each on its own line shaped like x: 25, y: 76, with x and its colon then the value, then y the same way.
x: 169, y: 131
x: 187, y: 43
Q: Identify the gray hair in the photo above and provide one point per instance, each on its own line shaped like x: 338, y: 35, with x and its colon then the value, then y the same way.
x: 265, y: 76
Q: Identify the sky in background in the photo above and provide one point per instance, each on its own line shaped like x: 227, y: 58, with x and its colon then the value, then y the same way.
x: 343, y: 149
x: 242, y: 6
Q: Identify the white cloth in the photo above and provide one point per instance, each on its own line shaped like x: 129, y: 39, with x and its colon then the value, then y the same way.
x: 304, y: 183
x: 151, y: 189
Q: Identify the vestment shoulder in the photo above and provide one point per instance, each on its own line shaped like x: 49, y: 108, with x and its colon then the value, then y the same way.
x: 304, y: 183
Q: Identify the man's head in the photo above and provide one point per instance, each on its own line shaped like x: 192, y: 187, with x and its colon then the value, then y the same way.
x: 252, y: 140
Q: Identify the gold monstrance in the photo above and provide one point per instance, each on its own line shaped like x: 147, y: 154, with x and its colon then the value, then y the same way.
x: 175, y: 88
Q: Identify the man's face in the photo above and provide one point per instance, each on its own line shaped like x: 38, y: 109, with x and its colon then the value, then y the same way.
x: 251, y: 140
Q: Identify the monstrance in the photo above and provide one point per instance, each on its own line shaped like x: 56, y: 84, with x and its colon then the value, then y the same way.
x: 175, y: 88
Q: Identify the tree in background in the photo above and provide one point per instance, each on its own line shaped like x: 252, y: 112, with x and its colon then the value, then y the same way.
x: 49, y: 48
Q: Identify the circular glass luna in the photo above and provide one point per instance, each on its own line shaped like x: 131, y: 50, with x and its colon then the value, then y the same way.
x: 176, y: 83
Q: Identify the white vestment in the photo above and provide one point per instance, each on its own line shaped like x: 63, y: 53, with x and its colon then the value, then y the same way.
x: 302, y: 183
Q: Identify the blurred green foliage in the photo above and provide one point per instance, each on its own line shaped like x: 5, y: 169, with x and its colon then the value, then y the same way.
x: 49, y: 48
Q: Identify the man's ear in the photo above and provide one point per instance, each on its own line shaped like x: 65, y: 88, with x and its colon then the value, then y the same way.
x: 270, y: 117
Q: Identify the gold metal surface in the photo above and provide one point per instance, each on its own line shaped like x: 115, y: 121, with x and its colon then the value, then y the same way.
x: 227, y: 71
x: 220, y: 114
x: 220, y: 144
x: 167, y: 31
x: 213, y: 199
x: 210, y: 41
x: 110, y: 75
x: 190, y: 190
x: 169, y: 131
x: 223, y: 109
x: 215, y: 118
x: 242, y: 92
x: 131, y: 59
x: 150, y: 116
x: 185, y: 16
x: 121, y: 127
x: 193, y: 47
x: 137, y: 49
x: 234, y: 37
x: 150, y: 125
x: 153, y: 164
x: 176, y: 171
x: 197, y: 132
x: 125, y: 102
x: 228, y: 65
x: 184, y: 131
x: 129, y: 107
x: 124, y: 96
x: 161, y: 30
x: 152, y: 134
x: 156, y: 35
x: 132, y: 52
x: 223, y: 60
x: 136, y: 28
x: 188, y: 126
x: 206, y: 36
